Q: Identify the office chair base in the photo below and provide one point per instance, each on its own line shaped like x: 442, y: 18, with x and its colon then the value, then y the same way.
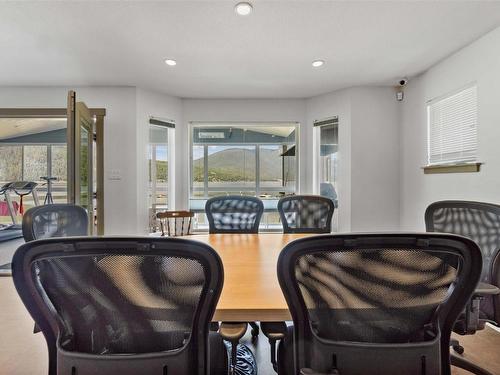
x: 455, y: 344
x: 255, y: 329
x: 245, y: 360
x: 459, y: 349
x: 465, y: 364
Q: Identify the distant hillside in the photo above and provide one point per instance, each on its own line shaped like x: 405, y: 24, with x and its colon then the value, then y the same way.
x: 237, y: 164
x: 161, y: 169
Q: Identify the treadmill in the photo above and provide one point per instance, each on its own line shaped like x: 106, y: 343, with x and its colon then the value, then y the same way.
x: 21, y: 188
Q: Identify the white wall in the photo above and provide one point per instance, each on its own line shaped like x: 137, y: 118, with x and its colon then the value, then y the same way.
x: 119, y: 141
x: 337, y: 103
x: 374, y: 159
x: 478, y: 62
x: 368, y: 185
x: 368, y: 188
x: 150, y: 103
x: 236, y: 110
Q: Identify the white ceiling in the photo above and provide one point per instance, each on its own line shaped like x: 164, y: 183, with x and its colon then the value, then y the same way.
x: 221, y: 55
x: 17, y: 127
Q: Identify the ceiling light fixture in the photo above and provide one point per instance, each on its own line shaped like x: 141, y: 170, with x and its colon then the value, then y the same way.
x: 317, y: 63
x: 170, y: 62
x: 243, y: 9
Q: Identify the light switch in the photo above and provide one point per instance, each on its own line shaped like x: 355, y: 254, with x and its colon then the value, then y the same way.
x: 115, y: 174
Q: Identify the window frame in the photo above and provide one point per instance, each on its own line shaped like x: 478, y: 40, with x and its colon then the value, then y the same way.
x: 170, y: 144
x: 48, y: 151
x: 450, y: 166
x: 238, y: 189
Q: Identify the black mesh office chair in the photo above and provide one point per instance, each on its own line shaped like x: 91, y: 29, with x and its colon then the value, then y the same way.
x: 123, y: 305
x: 55, y: 220
x: 234, y: 214
x: 299, y: 214
x: 481, y: 223
x: 374, y: 303
x: 306, y: 214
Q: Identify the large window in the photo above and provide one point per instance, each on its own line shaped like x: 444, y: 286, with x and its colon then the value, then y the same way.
x: 159, y: 163
x: 257, y: 160
x: 452, y: 128
x: 30, y: 162
x: 327, y: 133
x: 158, y: 166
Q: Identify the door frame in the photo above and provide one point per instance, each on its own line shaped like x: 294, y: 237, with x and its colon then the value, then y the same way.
x: 99, y: 114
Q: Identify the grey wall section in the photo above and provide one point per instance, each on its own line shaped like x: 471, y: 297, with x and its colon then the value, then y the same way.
x: 479, y: 62
x: 374, y: 159
x: 242, y: 111
x: 366, y: 145
x: 53, y: 136
x: 120, y: 150
x: 337, y: 103
x: 368, y: 186
x: 149, y: 103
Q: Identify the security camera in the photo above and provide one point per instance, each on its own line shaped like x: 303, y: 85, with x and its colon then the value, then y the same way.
x: 403, y: 81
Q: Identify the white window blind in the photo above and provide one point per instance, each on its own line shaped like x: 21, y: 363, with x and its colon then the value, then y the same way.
x: 452, y: 128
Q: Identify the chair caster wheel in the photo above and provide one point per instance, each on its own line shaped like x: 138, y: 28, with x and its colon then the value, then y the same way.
x: 459, y: 349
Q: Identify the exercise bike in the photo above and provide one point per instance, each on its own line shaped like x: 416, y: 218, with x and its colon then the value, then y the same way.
x: 21, y: 189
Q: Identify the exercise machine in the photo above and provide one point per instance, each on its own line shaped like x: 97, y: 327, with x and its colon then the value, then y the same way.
x: 21, y: 189
x: 48, y: 197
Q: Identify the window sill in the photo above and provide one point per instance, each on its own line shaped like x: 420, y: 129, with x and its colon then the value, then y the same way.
x: 452, y: 168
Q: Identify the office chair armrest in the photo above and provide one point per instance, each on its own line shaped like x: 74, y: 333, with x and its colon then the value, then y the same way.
x: 309, y: 371
x: 232, y: 332
x: 472, y: 320
x: 274, y: 330
x: 485, y: 289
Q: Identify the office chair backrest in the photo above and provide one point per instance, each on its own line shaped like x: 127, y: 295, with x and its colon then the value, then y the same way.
x: 377, y: 303
x: 121, y: 305
x: 326, y: 189
x: 54, y: 220
x: 234, y: 214
x: 481, y: 223
x: 306, y: 214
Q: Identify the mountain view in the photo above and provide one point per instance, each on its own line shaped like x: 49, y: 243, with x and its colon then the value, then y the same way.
x: 237, y: 164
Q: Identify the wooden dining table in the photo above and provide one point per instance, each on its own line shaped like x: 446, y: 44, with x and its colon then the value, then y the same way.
x: 251, y: 291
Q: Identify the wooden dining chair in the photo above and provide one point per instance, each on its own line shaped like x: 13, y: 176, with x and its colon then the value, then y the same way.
x: 175, y: 223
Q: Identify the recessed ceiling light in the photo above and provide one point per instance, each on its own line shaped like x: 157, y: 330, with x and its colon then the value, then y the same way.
x: 317, y: 63
x: 243, y: 9
x: 170, y: 62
